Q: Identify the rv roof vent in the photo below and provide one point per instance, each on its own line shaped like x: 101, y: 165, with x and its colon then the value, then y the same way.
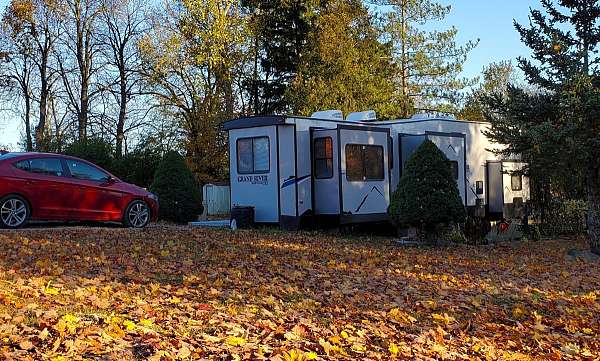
x: 329, y: 115
x: 447, y: 116
x: 433, y: 115
x: 422, y: 116
x: 366, y: 116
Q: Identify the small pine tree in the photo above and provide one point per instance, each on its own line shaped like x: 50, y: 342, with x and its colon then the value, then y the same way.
x: 427, y: 196
x: 177, y: 190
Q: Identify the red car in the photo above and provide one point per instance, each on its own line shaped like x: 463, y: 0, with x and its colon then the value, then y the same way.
x: 42, y: 186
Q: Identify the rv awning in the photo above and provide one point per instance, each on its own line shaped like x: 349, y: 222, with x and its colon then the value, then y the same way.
x: 251, y: 122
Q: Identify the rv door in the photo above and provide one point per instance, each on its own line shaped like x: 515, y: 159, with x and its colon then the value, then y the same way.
x: 495, y: 191
x: 453, y: 146
x: 364, y: 174
x: 325, y: 170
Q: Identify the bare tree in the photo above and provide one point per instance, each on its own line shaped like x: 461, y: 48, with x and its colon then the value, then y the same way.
x: 77, y: 64
x: 189, y: 59
x: 58, y: 122
x: 124, y: 24
x: 16, y: 62
x: 46, y: 31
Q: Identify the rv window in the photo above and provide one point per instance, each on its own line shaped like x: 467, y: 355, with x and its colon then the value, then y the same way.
x: 354, y: 162
x: 516, y: 182
x: 323, y: 150
x: 253, y: 155
x: 454, y: 167
x: 244, y: 156
x: 261, y: 155
x: 364, y: 162
x: 479, y: 187
x: 373, y: 163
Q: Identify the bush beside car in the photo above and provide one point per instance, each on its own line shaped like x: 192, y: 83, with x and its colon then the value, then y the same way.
x: 179, y: 194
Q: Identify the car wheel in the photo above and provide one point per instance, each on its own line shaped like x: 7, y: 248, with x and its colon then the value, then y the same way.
x: 137, y: 215
x: 14, y: 211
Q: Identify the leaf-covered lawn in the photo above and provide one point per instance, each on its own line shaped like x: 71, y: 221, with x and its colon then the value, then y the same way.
x: 177, y: 293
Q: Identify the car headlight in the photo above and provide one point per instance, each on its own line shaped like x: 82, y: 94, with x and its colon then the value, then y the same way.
x: 153, y: 196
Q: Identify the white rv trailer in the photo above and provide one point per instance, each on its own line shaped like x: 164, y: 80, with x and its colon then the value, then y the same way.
x: 325, y: 166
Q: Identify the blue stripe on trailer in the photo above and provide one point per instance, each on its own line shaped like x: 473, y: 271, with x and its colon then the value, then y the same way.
x: 294, y: 180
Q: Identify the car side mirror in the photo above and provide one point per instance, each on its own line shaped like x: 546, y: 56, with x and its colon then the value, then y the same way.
x: 110, y: 180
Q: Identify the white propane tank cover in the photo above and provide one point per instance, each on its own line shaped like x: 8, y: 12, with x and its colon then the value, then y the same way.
x: 365, y: 116
x: 328, y: 114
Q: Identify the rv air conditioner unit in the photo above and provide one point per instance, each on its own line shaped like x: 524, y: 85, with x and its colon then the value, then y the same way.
x: 328, y: 115
x: 366, y: 116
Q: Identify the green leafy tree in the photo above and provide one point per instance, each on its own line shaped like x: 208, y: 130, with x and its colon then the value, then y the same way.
x: 565, y: 67
x: 178, y: 192
x: 430, y: 61
x: 427, y: 196
x: 189, y: 60
x: 345, y: 66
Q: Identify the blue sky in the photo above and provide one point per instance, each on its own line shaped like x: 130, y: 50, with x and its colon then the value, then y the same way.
x: 492, y: 22
x: 489, y: 20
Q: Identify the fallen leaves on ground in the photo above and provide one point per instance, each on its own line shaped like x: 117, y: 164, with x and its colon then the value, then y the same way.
x: 173, y: 293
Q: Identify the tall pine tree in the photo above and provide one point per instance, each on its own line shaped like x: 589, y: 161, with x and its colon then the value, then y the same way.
x: 565, y: 67
x: 280, y: 31
x: 430, y: 61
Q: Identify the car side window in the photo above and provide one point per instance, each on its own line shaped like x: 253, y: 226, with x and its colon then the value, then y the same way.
x: 46, y: 166
x: 81, y: 170
x: 23, y: 165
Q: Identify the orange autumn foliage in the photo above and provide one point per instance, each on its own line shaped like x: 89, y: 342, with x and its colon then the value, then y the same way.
x: 111, y: 293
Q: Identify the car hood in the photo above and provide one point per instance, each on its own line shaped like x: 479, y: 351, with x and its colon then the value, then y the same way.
x: 130, y: 188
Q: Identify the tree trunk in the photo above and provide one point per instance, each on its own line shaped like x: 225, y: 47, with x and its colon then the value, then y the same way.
x: 29, y: 141
x: 83, y: 61
x: 255, y: 79
x: 120, y: 135
x: 40, y: 129
x: 593, y: 191
x: 82, y: 117
x: 122, y: 115
x: 229, y: 97
x: 404, y: 65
